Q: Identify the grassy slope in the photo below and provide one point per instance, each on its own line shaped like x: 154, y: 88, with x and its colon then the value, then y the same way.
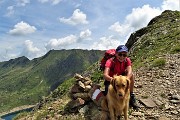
x: 162, y: 37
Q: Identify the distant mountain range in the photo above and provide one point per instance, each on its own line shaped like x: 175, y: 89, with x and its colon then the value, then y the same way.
x: 24, y: 81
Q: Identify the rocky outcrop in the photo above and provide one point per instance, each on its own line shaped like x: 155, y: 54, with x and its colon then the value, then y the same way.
x: 135, y: 36
x: 167, y: 21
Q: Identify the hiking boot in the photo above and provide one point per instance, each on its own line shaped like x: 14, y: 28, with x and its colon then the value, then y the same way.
x: 133, y: 102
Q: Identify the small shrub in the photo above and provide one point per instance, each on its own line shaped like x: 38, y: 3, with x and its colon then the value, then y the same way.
x: 159, y: 62
x: 144, y: 97
x: 163, y: 95
x: 176, y: 49
x: 97, y: 76
x: 162, y: 106
x: 41, y: 115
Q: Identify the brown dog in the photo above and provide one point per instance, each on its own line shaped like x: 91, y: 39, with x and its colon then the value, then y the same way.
x: 118, y: 97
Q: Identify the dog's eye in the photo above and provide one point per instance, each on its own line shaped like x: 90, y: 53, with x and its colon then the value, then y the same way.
x: 117, y: 85
x: 123, y: 85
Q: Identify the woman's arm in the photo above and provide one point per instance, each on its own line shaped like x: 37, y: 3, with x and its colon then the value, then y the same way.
x: 129, y: 72
x: 106, y: 74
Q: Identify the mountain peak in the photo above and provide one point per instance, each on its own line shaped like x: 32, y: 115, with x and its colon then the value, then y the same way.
x: 20, y: 61
x: 161, y: 29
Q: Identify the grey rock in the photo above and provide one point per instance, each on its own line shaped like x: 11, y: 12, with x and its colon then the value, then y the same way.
x: 137, y: 114
x: 174, y: 112
x: 163, y: 118
x: 175, y: 101
x: 175, y: 97
x: 148, y: 102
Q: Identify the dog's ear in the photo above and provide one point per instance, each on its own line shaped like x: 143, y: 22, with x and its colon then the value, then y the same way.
x: 128, y: 84
x: 113, y: 83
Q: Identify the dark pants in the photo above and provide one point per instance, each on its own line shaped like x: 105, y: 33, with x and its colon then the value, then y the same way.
x: 106, y: 84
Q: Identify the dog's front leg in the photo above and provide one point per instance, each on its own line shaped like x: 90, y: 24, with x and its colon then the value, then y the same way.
x: 112, y: 113
x: 126, y: 112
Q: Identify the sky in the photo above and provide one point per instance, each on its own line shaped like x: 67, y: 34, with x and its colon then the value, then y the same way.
x: 33, y: 27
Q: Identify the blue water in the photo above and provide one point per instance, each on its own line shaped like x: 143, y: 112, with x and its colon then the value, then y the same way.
x: 10, y: 116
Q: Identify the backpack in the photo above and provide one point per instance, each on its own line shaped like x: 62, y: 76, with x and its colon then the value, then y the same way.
x: 107, y: 55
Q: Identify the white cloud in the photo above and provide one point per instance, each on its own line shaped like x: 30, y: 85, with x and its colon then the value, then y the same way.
x: 22, y: 2
x: 7, y: 54
x: 30, y: 50
x: 10, y: 10
x: 78, y: 17
x: 77, y: 5
x: 5, y: 57
x: 141, y: 16
x: 138, y: 18
x: 106, y: 43
x: 122, y: 29
x: 171, y: 5
x: 43, y: 1
x: 54, y: 2
x: 61, y: 43
x: 85, y: 34
x: 22, y: 28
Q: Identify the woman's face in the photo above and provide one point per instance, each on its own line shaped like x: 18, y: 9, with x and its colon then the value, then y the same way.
x: 121, y: 56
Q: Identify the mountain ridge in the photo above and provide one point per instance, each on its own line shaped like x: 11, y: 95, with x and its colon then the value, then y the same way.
x: 27, y: 81
x: 172, y: 17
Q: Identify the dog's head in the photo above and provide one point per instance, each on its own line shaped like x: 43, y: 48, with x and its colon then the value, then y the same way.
x: 120, y: 85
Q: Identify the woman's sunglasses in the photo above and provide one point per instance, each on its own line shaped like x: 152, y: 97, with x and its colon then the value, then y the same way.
x: 120, y: 54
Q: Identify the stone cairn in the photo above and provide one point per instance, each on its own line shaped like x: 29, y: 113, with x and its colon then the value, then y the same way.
x: 80, y: 93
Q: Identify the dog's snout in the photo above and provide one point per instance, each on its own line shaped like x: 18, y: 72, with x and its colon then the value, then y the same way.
x: 120, y: 95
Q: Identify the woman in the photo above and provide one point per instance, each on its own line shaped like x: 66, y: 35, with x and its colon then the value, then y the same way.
x: 120, y: 65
